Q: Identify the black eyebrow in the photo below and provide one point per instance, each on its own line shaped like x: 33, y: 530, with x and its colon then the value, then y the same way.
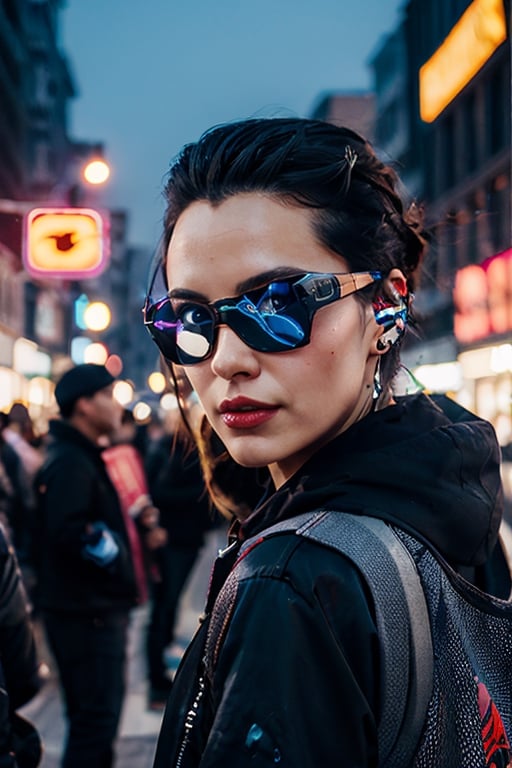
x: 183, y: 293
x: 256, y: 281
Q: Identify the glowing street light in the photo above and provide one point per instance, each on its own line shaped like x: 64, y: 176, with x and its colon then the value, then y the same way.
x: 97, y: 316
x: 96, y: 172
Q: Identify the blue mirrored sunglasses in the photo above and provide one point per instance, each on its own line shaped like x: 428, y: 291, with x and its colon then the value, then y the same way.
x: 275, y: 317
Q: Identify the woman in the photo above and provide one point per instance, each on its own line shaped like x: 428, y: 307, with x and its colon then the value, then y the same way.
x: 289, y: 264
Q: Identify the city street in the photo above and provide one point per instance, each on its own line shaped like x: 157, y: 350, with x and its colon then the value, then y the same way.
x: 139, y: 726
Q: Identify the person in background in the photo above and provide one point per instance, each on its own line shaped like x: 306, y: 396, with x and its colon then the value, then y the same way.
x: 284, y: 289
x: 125, y: 467
x: 177, y: 488
x: 18, y: 437
x: 20, y: 679
x: 10, y: 485
x: 19, y: 433
x: 86, y: 578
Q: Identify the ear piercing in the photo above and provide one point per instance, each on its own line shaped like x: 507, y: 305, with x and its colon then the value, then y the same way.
x: 389, y: 337
x: 377, y: 385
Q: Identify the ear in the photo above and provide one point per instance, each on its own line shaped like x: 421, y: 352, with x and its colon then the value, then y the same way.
x: 397, y: 284
x: 390, y: 307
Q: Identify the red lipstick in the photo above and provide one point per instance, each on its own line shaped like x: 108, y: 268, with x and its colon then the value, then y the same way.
x: 244, y: 413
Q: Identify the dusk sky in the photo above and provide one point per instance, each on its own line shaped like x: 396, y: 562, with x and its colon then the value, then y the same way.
x: 152, y: 75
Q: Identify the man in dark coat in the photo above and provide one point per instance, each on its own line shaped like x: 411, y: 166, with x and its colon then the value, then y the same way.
x: 86, y: 577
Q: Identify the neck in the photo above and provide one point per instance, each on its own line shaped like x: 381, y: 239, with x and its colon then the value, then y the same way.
x: 84, y: 426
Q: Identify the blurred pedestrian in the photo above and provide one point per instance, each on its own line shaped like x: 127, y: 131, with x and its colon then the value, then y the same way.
x: 20, y: 745
x: 19, y: 433
x: 87, y: 583
x: 177, y: 488
x: 289, y: 262
x: 10, y: 498
x: 22, y: 455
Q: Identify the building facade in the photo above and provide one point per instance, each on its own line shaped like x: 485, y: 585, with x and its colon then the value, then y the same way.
x: 40, y: 165
x: 453, y: 66
x: 352, y: 109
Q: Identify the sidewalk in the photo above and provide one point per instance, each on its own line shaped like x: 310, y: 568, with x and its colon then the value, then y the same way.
x: 139, y: 726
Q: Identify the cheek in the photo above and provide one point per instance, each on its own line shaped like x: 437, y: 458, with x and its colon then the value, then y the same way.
x: 339, y: 356
x: 345, y: 335
x: 330, y: 345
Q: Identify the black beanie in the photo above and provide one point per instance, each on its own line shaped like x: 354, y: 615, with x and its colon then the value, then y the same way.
x: 81, y: 381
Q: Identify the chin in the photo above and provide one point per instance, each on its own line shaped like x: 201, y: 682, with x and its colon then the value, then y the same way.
x: 248, y: 462
x: 248, y: 457
x: 253, y: 450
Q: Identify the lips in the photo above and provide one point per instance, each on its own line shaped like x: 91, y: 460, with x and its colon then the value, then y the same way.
x: 245, y: 413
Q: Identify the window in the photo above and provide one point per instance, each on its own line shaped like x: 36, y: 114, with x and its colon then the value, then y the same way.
x: 470, y: 158
x: 497, y: 95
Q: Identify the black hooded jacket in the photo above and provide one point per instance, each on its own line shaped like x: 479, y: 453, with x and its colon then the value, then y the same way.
x: 74, y: 491
x: 292, y: 658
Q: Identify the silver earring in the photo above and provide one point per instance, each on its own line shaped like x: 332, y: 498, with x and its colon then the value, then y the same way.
x: 377, y: 386
x: 390, y: 337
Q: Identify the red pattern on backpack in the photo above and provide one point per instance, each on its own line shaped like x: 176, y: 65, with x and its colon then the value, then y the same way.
x: 494, y: 738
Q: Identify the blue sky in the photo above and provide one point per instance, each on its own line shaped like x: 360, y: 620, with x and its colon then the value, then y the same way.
x: 152, y: 75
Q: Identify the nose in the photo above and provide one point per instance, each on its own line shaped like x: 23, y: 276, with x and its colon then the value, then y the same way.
x: 232, y: 357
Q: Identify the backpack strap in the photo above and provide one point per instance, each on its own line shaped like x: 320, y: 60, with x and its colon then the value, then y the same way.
x: 402, y: 620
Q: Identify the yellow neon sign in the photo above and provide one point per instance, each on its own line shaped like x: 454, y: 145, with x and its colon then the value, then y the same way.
x: 472, y: 41
x: 65, y: 242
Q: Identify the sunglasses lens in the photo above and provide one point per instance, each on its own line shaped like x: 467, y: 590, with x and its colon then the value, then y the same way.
x: 185, y: 337
x: 268, y: 321
x: 161, y: 323
x: 195, y: 330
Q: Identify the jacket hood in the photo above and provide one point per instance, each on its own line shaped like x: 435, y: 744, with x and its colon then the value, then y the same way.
x: 425, y: 464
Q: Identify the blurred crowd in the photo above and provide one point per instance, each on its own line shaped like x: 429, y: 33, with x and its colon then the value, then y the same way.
x: 164, y: 517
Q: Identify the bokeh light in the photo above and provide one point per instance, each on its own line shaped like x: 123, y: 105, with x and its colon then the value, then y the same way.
x: 96, y: 353
x: 168, y: 402
x: 141, y: 412
x: 114, y: 365
x: 156, y: 382
x: 123, y: 392
x: 97, y: 316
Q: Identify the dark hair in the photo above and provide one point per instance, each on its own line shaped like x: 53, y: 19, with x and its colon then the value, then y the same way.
x: 357, y: 207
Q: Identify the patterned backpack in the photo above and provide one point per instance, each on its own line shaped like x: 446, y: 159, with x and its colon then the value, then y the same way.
x: 446, y: 647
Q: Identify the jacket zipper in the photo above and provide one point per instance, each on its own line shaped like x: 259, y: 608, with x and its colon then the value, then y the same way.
x: 189, y: 722
x: 194, y: 709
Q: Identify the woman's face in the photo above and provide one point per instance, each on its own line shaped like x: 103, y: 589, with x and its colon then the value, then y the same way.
x: 273, y: 409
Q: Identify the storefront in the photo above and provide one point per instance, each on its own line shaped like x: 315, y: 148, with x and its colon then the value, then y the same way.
x: 25, y: 376
x: 475, y: 365
x: 483, y: 330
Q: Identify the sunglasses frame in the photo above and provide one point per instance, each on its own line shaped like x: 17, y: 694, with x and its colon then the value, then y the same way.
x: 313, y: 290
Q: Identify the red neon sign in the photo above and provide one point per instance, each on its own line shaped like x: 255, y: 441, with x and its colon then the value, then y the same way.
x: 483, y: 298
